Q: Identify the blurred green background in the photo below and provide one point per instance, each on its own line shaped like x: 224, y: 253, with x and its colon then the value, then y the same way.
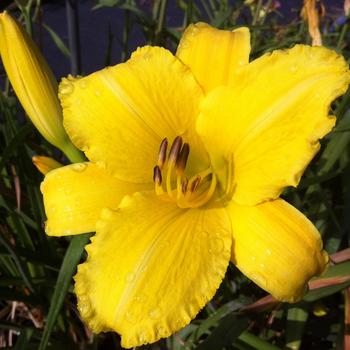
x: 37, y: 306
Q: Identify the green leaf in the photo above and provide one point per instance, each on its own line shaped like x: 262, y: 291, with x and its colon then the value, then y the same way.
x: 24, y: 339
x: 229, y: 328
x: 57, y: 40
x: 70, y: 261
x: 256, y: 342
x: 296, y: 320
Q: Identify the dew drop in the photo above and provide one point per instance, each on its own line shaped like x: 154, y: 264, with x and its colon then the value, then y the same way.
x: 161, y: 331
x: 129, y: 316
x: 130, y: 277
x: 194, y: 31
x: 154, y: 314
x: 97, y: 92
x: 142, y: 337
x: 68, y: 208
x: 185, y: 44
x: 268, y: 252
x: 293, y: 68
x: 79, y: 167
x: 259, y: 280
x: 139, y: 298
x: 83, y: 84
x: 216, y: 245
x: 66, y: 87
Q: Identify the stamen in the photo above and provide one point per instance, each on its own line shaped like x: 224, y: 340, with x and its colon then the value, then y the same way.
x: 184, y: 185
x: 182, y: 159
x: 157, y: 178
x: 187, y: 193
x: 162, y: 153
x: 157, y: 175
x: 206, y: 196
x: 194, y: 184
x: 175, y: 149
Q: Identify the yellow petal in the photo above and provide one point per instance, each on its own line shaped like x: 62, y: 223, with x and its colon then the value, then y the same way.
x: 33, y: 82
x: 151, y: 267
x: 75, y: 194
x: 119, y: 115
x: 212, y: 54
x: 267, y: 126
x: 45, y: 164
x: 277, y: 247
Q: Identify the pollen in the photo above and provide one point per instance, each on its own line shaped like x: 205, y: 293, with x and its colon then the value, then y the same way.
x: 171, y: 182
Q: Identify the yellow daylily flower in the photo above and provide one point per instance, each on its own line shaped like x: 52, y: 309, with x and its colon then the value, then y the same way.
x: 34, y: 84
x: 188, y: 155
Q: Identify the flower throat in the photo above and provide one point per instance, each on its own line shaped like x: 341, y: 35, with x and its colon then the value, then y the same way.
x: 170, y: 179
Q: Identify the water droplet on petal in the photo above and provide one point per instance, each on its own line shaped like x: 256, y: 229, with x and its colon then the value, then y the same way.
x: 79, y: 167
x: 259, y: 280
x: 154, y: 314
x: 184, y: 44
x: 268, y: 252
x: 139, y: 298
x: 66, y: 87
x: 216, y: 245
x: 97, y: 92
x: 130, y: 277
x: 142, y: 337
x: 83, y: 84
x: 161, y: 331
x: 129, y: 316
x: 293, y: 68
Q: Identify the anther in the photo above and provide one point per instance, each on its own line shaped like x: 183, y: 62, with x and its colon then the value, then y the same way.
x: 157, y: 175
x: 184, y: 184
x: 162, y: 153
x: 175, y: 149
x: 195, y: 183
x: 182, y: 158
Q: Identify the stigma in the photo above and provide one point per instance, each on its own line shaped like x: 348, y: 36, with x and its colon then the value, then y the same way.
x: 171, y: 182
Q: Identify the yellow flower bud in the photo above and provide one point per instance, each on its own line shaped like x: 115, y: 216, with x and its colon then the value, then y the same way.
x: 33, y: 83
x: 45, y: 164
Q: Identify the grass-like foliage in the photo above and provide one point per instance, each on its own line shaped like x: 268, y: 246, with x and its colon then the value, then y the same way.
x: 37, y: 303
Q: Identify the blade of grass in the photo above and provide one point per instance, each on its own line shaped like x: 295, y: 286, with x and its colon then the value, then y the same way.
x: 256, y: 342
x: 229, y: 328
x: 23, y: 340
x: 296, y: 321
x: 70, y: 261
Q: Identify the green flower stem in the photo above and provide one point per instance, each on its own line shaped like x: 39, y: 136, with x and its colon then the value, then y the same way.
x: 72, y: 153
